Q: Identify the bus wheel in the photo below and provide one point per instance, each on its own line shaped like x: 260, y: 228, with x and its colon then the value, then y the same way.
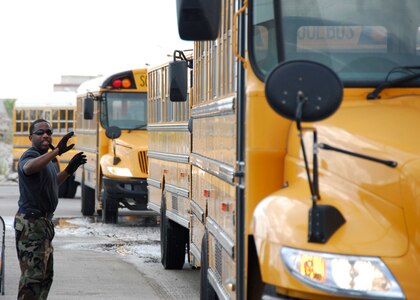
x: 255, y: 285
x: 206, y: 290
x: 88, y: 200
x: 109, y: 209
x: 173, y: 240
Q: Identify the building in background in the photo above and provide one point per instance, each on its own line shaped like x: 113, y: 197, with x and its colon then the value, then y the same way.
x: 70, y: 83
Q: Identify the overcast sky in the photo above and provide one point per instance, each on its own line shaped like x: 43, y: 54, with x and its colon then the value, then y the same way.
x: 40, y: 40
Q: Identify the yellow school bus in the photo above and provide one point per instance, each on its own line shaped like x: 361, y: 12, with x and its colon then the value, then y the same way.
x: 60, y: 113
x: 111, y: 118
x: 305, y: 163
x: 169, y: 169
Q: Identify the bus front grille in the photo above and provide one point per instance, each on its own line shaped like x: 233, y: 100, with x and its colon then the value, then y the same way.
x: 143, y: 161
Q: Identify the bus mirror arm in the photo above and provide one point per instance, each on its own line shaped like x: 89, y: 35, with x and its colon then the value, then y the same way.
x: 179, y: 55
x: 94, y: 97
x: 323, y: 220
x: 114, y: 132
x: 116, y: 159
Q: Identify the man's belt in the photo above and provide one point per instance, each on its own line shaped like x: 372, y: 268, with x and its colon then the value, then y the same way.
x: 34, y: 213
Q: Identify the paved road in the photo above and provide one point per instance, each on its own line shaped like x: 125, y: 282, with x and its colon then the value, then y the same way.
x: 98, y: 261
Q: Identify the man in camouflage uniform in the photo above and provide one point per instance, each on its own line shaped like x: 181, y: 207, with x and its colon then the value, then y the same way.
x: 38, y: 187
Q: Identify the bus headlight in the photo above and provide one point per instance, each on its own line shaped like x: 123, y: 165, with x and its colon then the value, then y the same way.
x: 356, y: 276
x: 124, y: 172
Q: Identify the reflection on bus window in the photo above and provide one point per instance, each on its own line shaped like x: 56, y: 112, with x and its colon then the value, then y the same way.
x: 349, y: 39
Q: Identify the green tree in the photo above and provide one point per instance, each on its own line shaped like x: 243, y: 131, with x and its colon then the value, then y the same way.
x: 8, y: 105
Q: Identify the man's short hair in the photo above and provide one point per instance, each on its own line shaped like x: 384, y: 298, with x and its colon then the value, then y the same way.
x: 31, y: 128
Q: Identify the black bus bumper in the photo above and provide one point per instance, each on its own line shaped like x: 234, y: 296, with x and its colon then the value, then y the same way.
x: 131, y: 193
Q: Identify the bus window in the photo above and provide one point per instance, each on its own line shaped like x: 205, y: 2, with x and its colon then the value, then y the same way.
x: 54, y: 120
x: 62, y: 122
x: 418, y: 41
x: 25, y: 121
x: 354, y: 40
x: 126, y: 110
x: 70, y: 118
x: 32, y: 117
x: 169, y: 111
x: 19, y: 126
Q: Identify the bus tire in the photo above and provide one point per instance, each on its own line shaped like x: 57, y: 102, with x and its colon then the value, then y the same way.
x: 207, y: 292
x: 173, y: 240
x: 109, y: 209
x: 88, y: 200
x: 255, y: 285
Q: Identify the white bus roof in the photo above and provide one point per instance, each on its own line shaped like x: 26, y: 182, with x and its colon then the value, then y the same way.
x: 91, y: 85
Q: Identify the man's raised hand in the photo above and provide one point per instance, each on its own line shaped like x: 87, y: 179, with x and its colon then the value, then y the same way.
x: 62, y: 144
x: 77, y: 160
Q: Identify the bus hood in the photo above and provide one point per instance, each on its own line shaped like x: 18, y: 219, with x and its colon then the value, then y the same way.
x: 131, y: 153
x: 381, y: 129
x: 381, y: 204
x: 132, y: 141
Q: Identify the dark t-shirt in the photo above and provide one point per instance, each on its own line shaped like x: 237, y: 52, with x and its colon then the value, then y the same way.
x: 39, y: 190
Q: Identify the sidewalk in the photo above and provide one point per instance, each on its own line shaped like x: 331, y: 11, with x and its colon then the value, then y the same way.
x: 80, y: 274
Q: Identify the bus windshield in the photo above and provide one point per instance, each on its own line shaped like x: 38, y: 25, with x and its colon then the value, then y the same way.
x: 364, y: 42
x: 124, y: 110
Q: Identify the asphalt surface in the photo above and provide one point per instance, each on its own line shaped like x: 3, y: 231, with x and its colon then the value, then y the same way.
x: 100, y: 261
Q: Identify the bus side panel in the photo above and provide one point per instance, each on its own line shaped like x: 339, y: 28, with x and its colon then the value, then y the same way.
x: 86, y: 133
x: 196, y: 237
x: 215, y: 138
x: 155, y: 197
x: 223, y: 266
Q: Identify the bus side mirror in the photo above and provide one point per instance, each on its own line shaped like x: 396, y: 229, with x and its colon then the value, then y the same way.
x: 198, y: 20
x: 303, y: 90
x: 178, y: 81
x: 88, y: 108
x: 113, y: 132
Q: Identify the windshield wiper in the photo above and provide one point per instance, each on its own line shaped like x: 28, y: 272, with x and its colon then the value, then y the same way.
x: 391, y: 83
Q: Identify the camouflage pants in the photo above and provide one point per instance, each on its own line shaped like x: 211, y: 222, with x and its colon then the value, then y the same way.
x: 35, y: 254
